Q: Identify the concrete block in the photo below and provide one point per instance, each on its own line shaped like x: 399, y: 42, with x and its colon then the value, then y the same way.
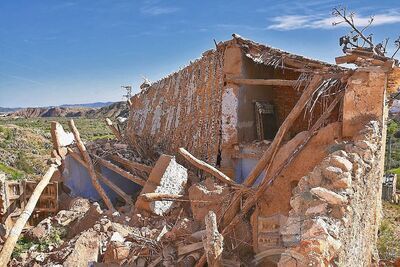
x: 168, y: 177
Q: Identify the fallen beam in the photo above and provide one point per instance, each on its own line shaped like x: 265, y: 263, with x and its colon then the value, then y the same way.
x: 131, y: 164
x: 346, y: 59
x: 91, y: 169
x: 182, y: 250
x: 113, y: 129
x: 110, y: 184
x: 150, y: 197
x: 120, y: 171
x: 213, y: 242
x: 207, y: 167
x: 16, y: 230
x: 272, y: 82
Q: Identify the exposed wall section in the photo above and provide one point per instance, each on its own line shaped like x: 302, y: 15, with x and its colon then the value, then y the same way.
x: 335, y: 209
x: 183, y: 109
x: 364, y: 99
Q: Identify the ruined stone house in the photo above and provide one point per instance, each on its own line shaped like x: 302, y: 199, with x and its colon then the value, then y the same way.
x: 227, y: 107
x: 301, y: 138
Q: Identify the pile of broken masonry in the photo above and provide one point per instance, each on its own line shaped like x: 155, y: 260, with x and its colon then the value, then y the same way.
x: 172, y: 222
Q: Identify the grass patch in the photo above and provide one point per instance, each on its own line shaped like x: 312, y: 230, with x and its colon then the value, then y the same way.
x: 13, y: 173
x: 389, y: 237
x: 53, y: 239
x: 90, y: 129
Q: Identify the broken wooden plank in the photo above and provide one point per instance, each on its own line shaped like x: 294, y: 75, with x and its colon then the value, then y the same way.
x: 113, y: 129
x: 16, y: 230
x: 110, y: 184
x: 213, y: 241
x: 150, y: 197
x: 185, y: 249
x: 131, y: 164
x: 91, y: 169
x: 265, y: 82
x: 207, y: 167
x: 120, y: 171
x: 351, y: 58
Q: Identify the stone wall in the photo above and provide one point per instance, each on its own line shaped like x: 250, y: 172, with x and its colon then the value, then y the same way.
x: 183, y: 109
x: 336, y: 208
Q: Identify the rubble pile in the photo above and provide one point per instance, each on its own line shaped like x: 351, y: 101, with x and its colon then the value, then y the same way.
x: 163, y: 232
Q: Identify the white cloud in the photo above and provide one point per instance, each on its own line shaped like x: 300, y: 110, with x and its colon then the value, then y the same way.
x: 155, y: 10
x: 293, y: 22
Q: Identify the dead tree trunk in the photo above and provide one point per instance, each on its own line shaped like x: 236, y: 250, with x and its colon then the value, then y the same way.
x: 91, y: 169
x: 20, y: 223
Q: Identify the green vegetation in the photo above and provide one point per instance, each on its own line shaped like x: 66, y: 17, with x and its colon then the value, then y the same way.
x: 25, y: 144
x: 13, y: 173
x: 90, y: 129
x: 389, y: 233
x: 53, y: 239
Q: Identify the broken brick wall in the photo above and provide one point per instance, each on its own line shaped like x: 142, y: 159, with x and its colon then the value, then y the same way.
x: 183, y: 109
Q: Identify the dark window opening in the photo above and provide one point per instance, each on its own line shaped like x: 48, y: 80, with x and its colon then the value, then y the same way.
x: 265, y: 120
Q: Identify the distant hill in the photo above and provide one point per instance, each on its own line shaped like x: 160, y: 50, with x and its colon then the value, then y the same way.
x: 85, y: 105
x: 7, y: 110
x: 88, y: 105
x: 113, y: 110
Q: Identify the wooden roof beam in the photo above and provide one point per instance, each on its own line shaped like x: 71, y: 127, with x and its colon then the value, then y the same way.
x: 272, y: 82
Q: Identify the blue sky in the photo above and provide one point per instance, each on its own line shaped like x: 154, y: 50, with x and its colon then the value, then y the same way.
x: 78, y: 51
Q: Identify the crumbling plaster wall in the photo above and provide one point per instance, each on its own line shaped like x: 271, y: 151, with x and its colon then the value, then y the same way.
x: 183, y: 109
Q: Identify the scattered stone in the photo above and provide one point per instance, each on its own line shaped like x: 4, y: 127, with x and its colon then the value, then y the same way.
x: 341, y: 163
x: 332, y: 173
x: 328, y: 196
x: 317, y: 210
x: 117, y: 237
x: 206, y: 197
x: 86, y: 250
x: 116, y: 252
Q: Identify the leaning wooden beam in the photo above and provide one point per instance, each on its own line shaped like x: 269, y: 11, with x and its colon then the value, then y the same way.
x: 270, y: 178
x: 272, y: 82
x: 213, y: 241
x: 120, y: 171
x: 272, y: 149
x: 114, y: 129
x: 206, y: 167
x: 55, y: 136
x: 16, y: 230
x: 102, y: 178
x: 131, y: 164
x: 150, y: 197
x: 91, y: 169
